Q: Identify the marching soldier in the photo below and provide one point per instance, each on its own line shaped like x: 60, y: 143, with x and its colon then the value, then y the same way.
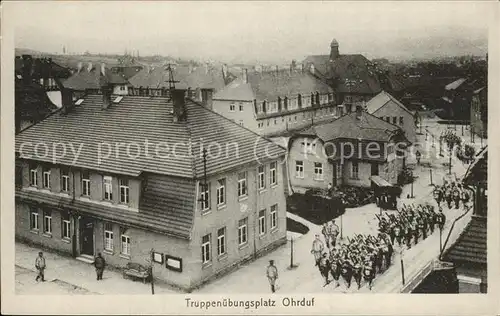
x: 448, y: 197
x: 418, y: 154
x: 334, y: 231
x: 357, y: 271
x: 441, y: 219
x: 326, y: 234
x: 272, y: 275
x: 465, y: 197
x: 456, y: 197
x: 347, y: 270
x: 335, y: 266
x: 324, y: 267
x: 369, y: 271
x: 317, y: 249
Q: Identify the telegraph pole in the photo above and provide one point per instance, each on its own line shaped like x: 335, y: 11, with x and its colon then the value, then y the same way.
x: 151, y: 272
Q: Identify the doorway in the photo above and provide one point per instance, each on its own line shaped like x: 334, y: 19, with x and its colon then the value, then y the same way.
x: 374, y: 169
x: 87, y: 236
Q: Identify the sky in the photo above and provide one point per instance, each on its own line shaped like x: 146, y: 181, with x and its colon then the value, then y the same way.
x: 248, y: 31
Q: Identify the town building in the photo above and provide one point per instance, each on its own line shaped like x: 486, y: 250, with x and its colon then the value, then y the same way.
x: 479, y: 112
x: 37, y: 89
x: 139, y: 187
x: 201, y: 82
x: 469, y: 253
x: 388, y: 108
x: 350, y: 150
x: 353, y: 77
x: 89, y: 79
x: 276, y: 102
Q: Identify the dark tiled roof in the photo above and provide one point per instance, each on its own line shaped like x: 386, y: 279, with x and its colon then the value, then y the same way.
x: 84, y: 79
x: 137, y: 120
x: 56, y: 70
x: 166, y: 207
x: 271, y: 85
x: 471, y: 246
x: 31, y: 101
x: 382, y: 99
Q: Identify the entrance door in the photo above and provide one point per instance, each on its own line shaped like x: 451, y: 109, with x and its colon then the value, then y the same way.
x: 374, y: 169
x: 87, y: 230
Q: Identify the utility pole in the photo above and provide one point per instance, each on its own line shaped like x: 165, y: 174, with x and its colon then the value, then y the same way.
x: 412, y: 190
x: 151, y: 272
x: 402, y: 268
x: 430, y: 172
x: 440, y: 239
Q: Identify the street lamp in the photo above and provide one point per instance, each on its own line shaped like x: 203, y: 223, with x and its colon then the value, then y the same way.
x: 430, y: 173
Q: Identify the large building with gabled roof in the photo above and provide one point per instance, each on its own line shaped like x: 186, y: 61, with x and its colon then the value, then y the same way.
x: 135, y: 183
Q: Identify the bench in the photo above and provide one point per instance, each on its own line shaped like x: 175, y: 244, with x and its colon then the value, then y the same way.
x: 137, y: 271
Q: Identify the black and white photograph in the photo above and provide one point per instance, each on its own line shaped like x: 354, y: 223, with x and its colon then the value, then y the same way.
x: 248, y: 157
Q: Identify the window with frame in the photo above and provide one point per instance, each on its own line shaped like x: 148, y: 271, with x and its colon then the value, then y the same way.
x: 34, y: 220
x: 241, y: 123
x: 65, y: 180
x: 108, y: 237
x: 355, y: 170
x: 66, y: 226
x: 262, y: 178
x: 125, y: 245
x: 205, y: 196
x: 339, y: 170
x: 108, y: 188
x: 273, y: 173
x: 242, y: 184
x: 262, y: 222
x: 260, y: 108
x: 47, y: 222
x: 242, y: 231
x: 394, y: 120
x: 232, y: 107
x: 221, y: 241
x: 274, y: 216
x: 46, y: 178
x: 221, y: 192
x: 205, y: 248
x: 299, y: 169
x: 401, y: 120
x: 124, y: 191
x: 85, y: 183
x: 241, y: 107
x: 318, y: 171
x: 33, y: 175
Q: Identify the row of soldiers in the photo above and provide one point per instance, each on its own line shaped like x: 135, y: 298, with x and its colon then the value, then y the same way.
x: 450, y: 192
x: 361, y: 257
x: 410, y: 222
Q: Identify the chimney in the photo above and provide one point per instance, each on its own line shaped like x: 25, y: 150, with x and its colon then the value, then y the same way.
x: 245, y: 75
x: 89, y: 67
x: 312, y: 69
x: 106, y: 96
x: 224, y: 71
x: 103, y: 69
x: 179, y: 105
x: 27, y: 68
x: 80, y: 66
x: 66, y: 100
x: 359, y: 112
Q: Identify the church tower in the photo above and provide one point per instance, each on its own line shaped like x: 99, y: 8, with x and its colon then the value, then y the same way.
x: 334, y: 49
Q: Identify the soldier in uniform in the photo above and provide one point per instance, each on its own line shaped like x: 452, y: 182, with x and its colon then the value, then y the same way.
x: 317, y: 249
x: 272, y: 275
x: 347, y: 270
x: 398, y: 233
x: 415, y: 230
x: 456, y: 197
x: 441, y: 219
x: 464, y: 197
x: 326, y: 235
x: 334, y: 231
x: 448, y: 197
x: 357, y: 270
x: 438, y: 196
x: 408, y: 234
x: 324, y: 267
x: 369, y: 271
x: 335, y: 266
x: 418, y: 154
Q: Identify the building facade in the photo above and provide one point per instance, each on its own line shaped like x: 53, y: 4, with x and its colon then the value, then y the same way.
x: 276, y: 102
x: 134, y: 209
x: 479, y: 112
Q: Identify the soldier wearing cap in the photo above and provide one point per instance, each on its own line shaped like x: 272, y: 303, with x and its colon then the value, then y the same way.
x: 272, y: 275
x: 317, y: 249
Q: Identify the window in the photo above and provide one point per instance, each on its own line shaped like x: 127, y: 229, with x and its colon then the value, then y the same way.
x: 394, y: 120
x: 108, y: 237
x: 241, y: 107
x: 318, y: 171
x: 355, y: 170
x: 241, y: 123
x: 47, y: 222
x: 388, y: 119
x: 33, y: 175
x: 205, y: 196
x: 299, y: 169
x: 65, y: 180
x: 242, y: 231
x: 205, y: 248
x: 221, y: 241
x: 262, y: 178
x: 85, y: 183
x: 339, y: 170
x: 34, y: 220
x: 232, y: 107
x: 274, y: 216
x: 242, y: 184
x: 401, y: 120
x: 46, y: 178
x: 221, y: 192
x: 66, y: 226
x: 273, y: 179
x: 124, y: 191
x: 261, y: 125
x: 260, y: 108
x: 262, y: 222
x: 108, y: 188
x: 125, y: 245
